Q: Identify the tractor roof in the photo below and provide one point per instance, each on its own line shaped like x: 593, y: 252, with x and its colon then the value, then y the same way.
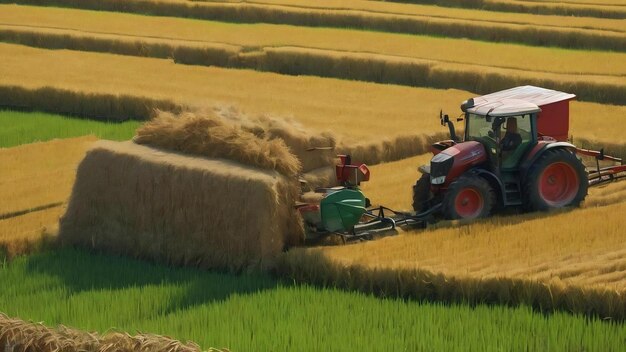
x: 518, y: 100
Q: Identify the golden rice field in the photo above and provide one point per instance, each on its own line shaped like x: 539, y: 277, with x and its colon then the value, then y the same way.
x: 319, y: 103
x: 594, y: 8
x: 38, y: 179
x: 434, y: 13
x: 26, y: 233
x: 549, y: 34
x: 39, y: 174
x: 603, y: 66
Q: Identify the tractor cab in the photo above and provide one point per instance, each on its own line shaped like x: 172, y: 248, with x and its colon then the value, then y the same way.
x: 507, y: 129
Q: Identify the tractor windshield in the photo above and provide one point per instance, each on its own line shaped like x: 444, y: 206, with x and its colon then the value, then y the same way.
x: 477, y: 128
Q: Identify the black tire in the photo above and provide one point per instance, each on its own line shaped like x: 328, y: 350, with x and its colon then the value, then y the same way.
x: 421, y: 193
x: 550, y: 183
x: 469, y: 197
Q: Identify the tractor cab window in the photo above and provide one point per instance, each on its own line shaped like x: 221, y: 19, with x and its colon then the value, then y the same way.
x: 510, y: 135
x: 479, y: 128
x: 515, y: 136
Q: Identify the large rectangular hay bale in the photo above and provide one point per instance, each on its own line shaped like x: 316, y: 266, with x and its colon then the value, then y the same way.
x: 145, y: 202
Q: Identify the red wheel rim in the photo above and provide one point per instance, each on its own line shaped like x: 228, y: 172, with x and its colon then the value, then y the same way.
x: 558, y: 184
x: 469, y: 203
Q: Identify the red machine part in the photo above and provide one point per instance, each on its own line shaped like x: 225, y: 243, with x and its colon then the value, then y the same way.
x: 469, y: 203
x: 558, y: 184
x: 351, y: 173
x: 553, y: 120
x: 466, y: 155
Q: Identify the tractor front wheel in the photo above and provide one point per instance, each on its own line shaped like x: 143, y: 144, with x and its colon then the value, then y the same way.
x: 558, y: 179
x: 469, y: 197
x: 421, y: 193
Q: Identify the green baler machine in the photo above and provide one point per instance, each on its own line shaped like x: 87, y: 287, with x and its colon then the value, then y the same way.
x: 342, y: 210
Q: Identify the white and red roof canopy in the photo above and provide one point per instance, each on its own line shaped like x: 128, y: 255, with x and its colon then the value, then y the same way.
x: 517, y: 101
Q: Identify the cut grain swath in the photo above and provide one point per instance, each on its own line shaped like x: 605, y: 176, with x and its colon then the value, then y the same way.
x: 312, y: 266
x: 19, y: 335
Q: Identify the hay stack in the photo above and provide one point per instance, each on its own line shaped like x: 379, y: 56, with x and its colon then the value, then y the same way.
x: 19, y: 335
x: 300, y: 141
x: 182, y: 210
x: 210, y: 135
x: 298, y: 138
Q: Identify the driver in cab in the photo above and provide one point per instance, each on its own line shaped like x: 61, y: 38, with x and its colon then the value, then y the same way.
x: 512, y: 138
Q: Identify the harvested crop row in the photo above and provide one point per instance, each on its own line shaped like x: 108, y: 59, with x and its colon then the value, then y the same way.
x: 377, y: 68
x: 392, y: 9
x: 534, y: 7
x: 317, y: 103
x: 19, y: 335
x: 352, y: 110
x: 313, y: 266
x: 413, y: 24
x: 110, y: 106
x: 56, y: 26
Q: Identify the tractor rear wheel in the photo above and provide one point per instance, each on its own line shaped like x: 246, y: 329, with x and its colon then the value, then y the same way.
x: 558, y: 179
x: 421, y: 193
x: 469, y: 197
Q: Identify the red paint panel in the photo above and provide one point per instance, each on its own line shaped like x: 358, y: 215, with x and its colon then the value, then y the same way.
x: 553, y: 120
x: 466, y: 155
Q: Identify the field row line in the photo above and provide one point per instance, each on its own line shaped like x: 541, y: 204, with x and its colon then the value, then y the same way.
x: 30, y: 210
x: 19, y: 34
x: 329, y: 63
x: 561, y: 8
x: 488, y: 20
x: 591, y: 3
x: 275, y: 14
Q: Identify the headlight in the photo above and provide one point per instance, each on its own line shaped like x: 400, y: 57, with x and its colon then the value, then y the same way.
x: 438, y: 180
x: 440, y: 166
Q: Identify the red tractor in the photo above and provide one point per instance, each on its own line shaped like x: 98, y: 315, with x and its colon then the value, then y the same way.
x: 514, y: 153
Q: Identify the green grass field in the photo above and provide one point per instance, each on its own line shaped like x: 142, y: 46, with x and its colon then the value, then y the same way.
x: 257, y: 312
x: 28, y: 127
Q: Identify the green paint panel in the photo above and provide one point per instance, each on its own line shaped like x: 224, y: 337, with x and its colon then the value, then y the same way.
x: 342, y: 209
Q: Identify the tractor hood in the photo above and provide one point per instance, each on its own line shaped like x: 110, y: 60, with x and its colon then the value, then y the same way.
x: 448, y: 165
